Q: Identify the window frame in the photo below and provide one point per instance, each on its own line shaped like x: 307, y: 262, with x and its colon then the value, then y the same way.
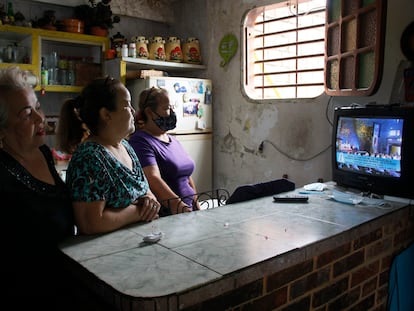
x: 355, y: 36
x: 248, y: 75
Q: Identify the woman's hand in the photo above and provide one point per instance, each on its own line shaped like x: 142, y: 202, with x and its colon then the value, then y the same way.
x: 196, y: 204
x: 148, y: 207
x: 181, y: 208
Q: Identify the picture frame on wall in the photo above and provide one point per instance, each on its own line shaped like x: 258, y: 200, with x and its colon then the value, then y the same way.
x: 51, y: 122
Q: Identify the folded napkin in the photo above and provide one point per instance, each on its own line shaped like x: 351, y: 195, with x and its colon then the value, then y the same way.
x: 316, y: 186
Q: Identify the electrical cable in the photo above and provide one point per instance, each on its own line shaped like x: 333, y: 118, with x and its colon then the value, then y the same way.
x: 327, y: 110
x: 299, y: 159
x: 293, y: 158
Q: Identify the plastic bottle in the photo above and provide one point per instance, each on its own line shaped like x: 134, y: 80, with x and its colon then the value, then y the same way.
x: 44, y: 76
x: 132, y: 52
x: 10, y: 12
x: 124, y: 51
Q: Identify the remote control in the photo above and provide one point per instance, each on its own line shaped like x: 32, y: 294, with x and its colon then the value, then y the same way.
x: 290, y: 198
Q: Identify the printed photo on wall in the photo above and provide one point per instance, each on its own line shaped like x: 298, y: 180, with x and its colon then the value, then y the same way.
x: 51, y: 124
x: 190, y: 107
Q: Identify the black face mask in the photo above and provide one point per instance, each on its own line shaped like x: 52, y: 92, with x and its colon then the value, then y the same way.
x: 166, y: 123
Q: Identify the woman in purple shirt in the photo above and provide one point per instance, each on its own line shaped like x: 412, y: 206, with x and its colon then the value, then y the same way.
x: 166, y: 164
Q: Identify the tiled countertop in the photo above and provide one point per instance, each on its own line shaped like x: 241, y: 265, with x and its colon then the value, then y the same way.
x: 203, y: 246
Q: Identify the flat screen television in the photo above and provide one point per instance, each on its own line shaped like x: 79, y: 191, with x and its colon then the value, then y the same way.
x: 373, y: 149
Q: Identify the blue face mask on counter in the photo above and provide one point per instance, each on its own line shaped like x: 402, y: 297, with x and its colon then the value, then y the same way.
x: 166, y: 123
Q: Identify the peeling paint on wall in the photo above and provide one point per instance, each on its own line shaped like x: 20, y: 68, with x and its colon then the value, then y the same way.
x: 247, y: 125
x: 155, y: 10
x: 229, y: 143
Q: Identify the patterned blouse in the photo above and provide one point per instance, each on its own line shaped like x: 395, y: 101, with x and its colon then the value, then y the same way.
x: 94, y: 174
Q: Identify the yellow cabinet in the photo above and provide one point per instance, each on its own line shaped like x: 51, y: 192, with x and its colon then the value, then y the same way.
x: 79, y: 57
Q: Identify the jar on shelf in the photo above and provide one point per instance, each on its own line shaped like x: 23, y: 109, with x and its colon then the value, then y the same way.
x: 173, y: 51
x: 116, y: 43
x: 124, y: 50
x: 142, y: 46
x: 156, y: 48
x: 191, y: 51
x: 132, y: 51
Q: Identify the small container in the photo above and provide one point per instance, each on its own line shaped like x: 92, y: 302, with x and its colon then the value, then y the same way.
x: 191, y: 51
x: 156, y: 48
x: 116, y: 43
x: 63, y: 62
x: 110, y: 54
x: 132, y: 51
x: 53, y: 76
x: 124, y: 50
x: 44, y: 80
x: 71, y: 77
x: 53, y: 60
x: 73, y: 25
x: 43, y: 73
x: 173, y: 51
x: 8, y: 54
x: 63, y: 76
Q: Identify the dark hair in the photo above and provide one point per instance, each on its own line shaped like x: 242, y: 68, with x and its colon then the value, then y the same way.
x: 149, y: 98
x: 80, y: 116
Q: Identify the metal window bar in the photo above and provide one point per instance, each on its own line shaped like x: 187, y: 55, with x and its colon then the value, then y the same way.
x: 296, y: 30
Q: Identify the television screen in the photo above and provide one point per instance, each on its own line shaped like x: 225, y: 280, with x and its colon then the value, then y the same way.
x: 373, y: 149
x: 370, y: 146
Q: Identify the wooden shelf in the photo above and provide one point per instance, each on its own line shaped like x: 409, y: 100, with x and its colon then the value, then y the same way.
x: 140, y: 63
x: 119, y: 67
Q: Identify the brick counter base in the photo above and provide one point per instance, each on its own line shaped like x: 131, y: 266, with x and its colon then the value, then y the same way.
x: 348, y: 271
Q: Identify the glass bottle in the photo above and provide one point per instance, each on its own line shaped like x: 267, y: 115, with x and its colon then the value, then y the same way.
x: 10, y: 12
x: 44, y: 74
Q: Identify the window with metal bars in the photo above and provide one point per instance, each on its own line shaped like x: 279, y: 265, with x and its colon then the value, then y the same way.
x: 284, y: 48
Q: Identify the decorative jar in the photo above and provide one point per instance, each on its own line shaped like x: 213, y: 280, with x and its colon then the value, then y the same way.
x: 191, y: 51
x: 173, y: 51
x: 156, y: 48
x: 142, y: 46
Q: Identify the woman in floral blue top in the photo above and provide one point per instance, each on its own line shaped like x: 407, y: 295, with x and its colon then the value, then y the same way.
x: 108, y: 187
